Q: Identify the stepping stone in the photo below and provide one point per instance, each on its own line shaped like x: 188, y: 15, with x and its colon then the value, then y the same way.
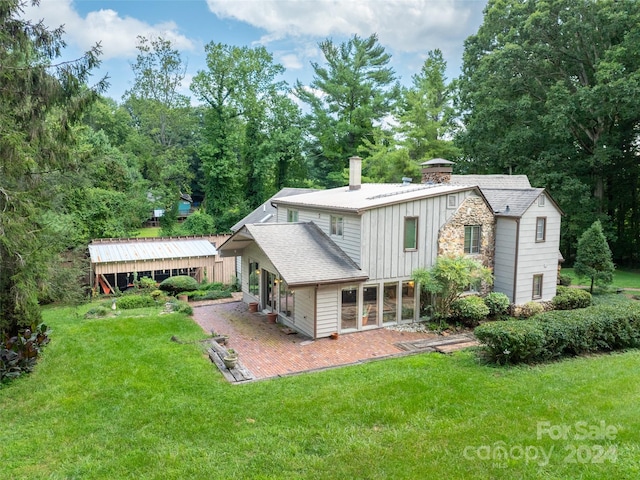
x: 453, y: 347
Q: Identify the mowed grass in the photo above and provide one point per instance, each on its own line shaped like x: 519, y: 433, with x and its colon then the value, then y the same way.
x: 621, y: 278
x: 149, y: 232
x: 117, y: 399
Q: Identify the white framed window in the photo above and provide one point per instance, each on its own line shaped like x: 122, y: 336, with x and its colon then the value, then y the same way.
x: 471, y: 239
x: 292, y: 215
x: 452, y: 201
x: 337, y: 226
x: 537, y: 287
x: 541, y: 229
x: 254, y: 278
x: 410, y: 233
x: 541, y: 200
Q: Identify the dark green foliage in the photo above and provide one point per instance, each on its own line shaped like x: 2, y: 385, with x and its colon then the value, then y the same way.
x: 565, y: 280
x: 571, y: 298
x: 179, y: 283
x: 593, y: 257
x: 19, y: 353
x: 181, y: 307
x: 470, y: 310
x: 212, y: 286
x: 97, y: 312
x: 498, y: 303
x: 561, y: 333
x: 512, y: 341
x: 128, y: 302
x: 210, y: 295
x: 40, y: 106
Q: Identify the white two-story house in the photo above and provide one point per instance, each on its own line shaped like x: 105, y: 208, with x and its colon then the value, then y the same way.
x: 341, y: 260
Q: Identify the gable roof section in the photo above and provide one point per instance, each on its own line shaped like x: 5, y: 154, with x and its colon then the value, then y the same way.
x: 113, y: 252
x: 511, y: 202
x: 370, y: 195
x: 301, y: 252
x: 492, y: 181
x: 266, y: 212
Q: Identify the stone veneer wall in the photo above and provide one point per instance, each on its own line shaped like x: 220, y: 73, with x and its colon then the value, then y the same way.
x: 473, y: 211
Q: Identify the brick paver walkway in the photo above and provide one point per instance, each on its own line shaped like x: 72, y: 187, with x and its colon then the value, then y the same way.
x: 267, y: 351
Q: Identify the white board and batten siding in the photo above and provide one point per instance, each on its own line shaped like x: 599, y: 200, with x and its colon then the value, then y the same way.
x: 383, y: 253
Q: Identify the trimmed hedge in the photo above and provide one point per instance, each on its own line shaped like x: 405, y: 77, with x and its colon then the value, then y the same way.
x: 210, y: 295
x: 498, y: 303
x: 129, y: 302
x: 557, y: 334
x: 571, y: 298
x: 469, y: 309
x: 179, y: 284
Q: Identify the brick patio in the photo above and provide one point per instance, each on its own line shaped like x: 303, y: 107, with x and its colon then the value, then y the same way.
x: 266, y: 350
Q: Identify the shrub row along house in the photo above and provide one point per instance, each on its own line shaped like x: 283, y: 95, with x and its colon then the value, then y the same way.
x: 341, y: 260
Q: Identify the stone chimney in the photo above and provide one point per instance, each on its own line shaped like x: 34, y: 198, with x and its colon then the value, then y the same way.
x: 355, y: 173
x: 437, y: 170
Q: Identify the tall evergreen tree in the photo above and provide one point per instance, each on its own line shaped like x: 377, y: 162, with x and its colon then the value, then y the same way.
x: 39, y: 104
x: 593, y: 258
x: 349, y: 97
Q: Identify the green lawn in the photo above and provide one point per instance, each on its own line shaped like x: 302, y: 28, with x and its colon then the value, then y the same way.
x: 116, y: 399
x: 149, y: 232
x: 621, y: 278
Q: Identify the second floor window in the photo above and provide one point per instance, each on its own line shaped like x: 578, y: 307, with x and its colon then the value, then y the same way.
x: 541, y: 229
x: 292, y: 215
x: 472, y: 239
x: 337, y: 226
x: 411, y: 233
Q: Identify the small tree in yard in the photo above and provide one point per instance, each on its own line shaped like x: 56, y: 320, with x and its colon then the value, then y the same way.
x: 449, y: 278
x: 593, y: 257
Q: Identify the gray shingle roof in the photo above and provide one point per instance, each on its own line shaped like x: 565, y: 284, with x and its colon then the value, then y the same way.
x: 108, y: 252
x: 267, y: 212
x: 492, y: 181
x: 511, y: 202
x: 301, y: 252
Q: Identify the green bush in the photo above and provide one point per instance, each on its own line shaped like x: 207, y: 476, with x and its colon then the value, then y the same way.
x: 571, y: 298
x: 179, y: 284
x: 181, y: 307
x: 498, y: 303
x: 210, y: 295
x: 470, y: 310
x: 97, y: 312
x: 157, y: 294
x: 564, y: 333
x: 565, y: 280
x: 529, y: 309
x: 212, y: 286
x: 129, y: 302
x: 512, y: 341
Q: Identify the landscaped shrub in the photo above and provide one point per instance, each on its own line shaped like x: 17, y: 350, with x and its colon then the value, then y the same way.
x: 129, y: 302
x: 572, y: 332
x: 157, y: 294
x: 97, y: 312
x: 512, y: 341
x: 470, y: 310
x: 498, y: 303
x: 178, y: 284
x: 210, y: 295
x: 528, y: 310
x: 180, y: 307
x: 19, y: 353
x: 212, y: 286
x: 565, y: 280
x: 571, y: 298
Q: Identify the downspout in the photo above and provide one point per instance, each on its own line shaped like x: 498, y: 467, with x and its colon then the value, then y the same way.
x: 315, y: 312
x: 515, y: 263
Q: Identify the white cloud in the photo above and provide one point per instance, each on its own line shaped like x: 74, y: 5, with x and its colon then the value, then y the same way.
x: 117, y: 34
x: 402, y: 25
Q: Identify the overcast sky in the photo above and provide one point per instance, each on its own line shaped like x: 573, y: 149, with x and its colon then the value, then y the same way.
x: 289, y: 29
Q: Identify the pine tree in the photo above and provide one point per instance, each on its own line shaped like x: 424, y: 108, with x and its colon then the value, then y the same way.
x: 40, y: 101
x: 593, y: 257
